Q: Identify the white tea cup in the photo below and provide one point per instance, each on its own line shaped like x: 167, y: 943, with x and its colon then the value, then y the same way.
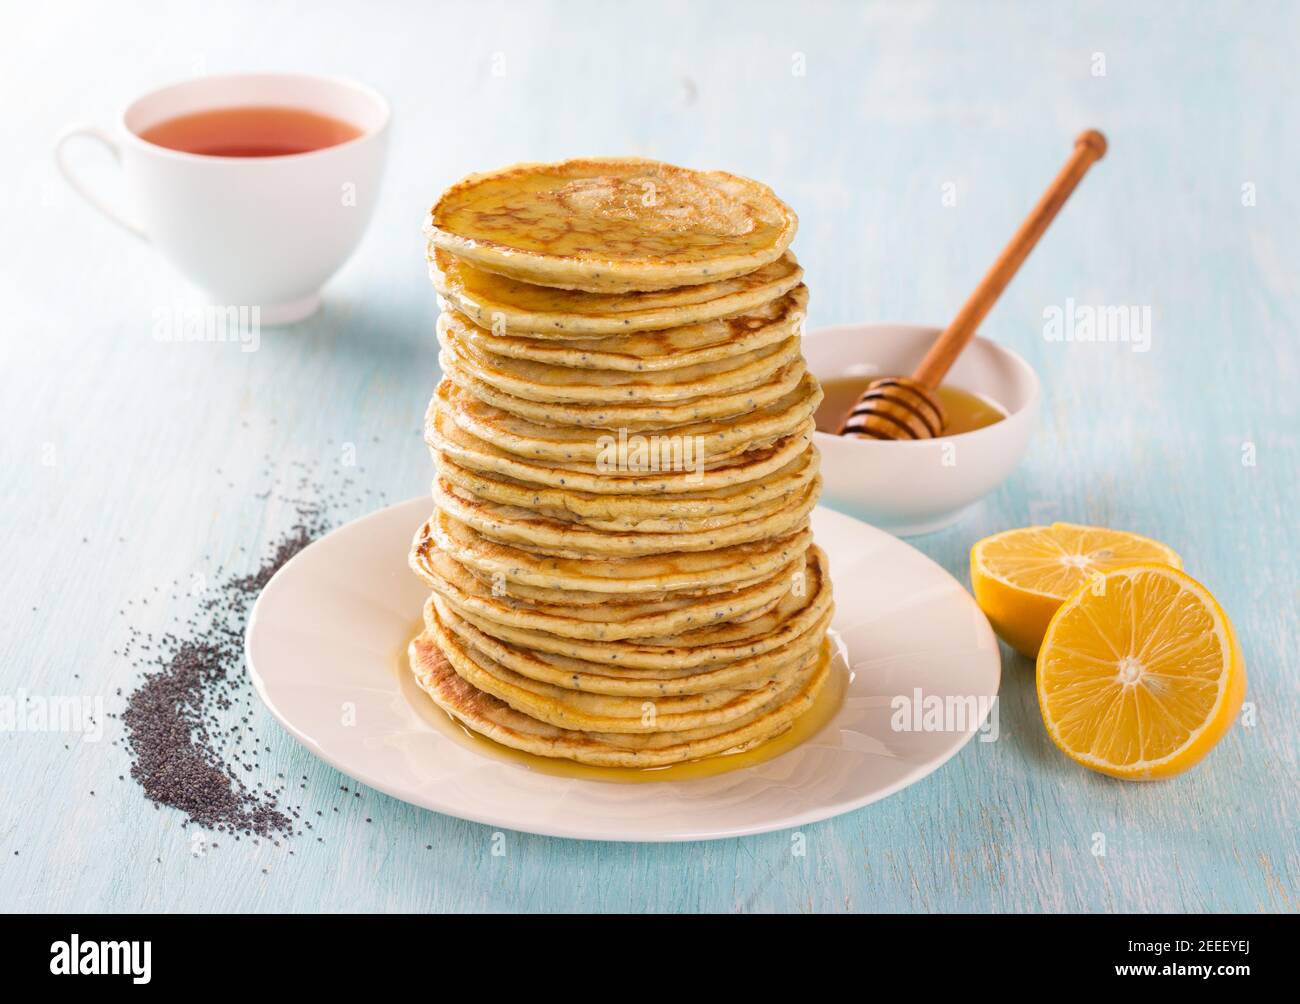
x: 263, y: 232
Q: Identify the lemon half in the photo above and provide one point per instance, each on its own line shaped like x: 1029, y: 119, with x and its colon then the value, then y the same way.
x: 1021, y: 577
x: 1140, y: 673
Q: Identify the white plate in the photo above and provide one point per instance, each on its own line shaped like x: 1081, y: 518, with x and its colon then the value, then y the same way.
x: 326, y: 650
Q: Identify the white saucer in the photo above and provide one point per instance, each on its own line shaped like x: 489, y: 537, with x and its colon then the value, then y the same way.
x: 326, y: 650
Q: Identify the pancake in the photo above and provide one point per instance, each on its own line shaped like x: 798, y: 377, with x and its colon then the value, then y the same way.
x: 445, y: 436
x: 589, y: 712
x: 627, y: 523
x: 511, y: 525
x: 589, y: 677
x: 689, y: 448
x: 623, y: 576
x: 707, y: 443
x: 709, y: 647
x: 493, y: 718
x: 682, y: 512
x: 731, y: 599
x: 499, y: 303
x: 792, y: 377
x: 496, y: 611
x: 611, y: 224
x: 541, y: 381
x: 583, y: 603
x: 647, y: 351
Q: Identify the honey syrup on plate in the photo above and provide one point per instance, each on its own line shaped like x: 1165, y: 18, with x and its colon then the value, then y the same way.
x: 807, y: 725
x: 966, y: 411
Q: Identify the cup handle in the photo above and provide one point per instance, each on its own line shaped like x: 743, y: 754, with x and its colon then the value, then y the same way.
x: 60, y: 158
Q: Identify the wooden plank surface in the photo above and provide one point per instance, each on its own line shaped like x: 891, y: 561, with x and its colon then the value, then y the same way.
x: 129, y: 463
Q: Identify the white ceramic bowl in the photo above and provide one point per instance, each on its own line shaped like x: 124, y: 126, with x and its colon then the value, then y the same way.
x: 910, y: 488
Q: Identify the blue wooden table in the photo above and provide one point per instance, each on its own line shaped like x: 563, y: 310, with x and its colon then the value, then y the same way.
x: 910, y: 139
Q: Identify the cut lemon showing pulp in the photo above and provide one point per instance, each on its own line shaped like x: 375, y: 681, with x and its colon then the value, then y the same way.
x: 1021, y: 577
x: 1140, y: 673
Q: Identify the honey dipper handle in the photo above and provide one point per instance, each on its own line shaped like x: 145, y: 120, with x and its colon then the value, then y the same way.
x: 1089, y: 147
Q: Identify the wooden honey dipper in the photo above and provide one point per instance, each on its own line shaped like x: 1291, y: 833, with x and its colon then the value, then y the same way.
x: 907, y: 407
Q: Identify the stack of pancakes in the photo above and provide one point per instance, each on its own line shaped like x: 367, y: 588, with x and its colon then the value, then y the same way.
x: 620, y: 559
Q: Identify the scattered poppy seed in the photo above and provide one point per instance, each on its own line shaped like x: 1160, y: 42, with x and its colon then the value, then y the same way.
x: 184, y: 750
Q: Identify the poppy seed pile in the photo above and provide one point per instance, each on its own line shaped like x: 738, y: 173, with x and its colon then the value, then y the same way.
x: 188, y: 720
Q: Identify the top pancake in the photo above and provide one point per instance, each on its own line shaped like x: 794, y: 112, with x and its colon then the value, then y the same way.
x: 612, y: 224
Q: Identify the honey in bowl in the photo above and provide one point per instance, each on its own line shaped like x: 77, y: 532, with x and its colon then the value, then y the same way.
x: 965, y: 410
x: 250, y: 131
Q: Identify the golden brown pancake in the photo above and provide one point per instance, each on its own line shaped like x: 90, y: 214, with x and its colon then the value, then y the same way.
x: 678, y: 513
x: 540, y: 534
x: 645, y: 351
x: 491, y: 717
x: 611, y: 224
x: 499, y: 303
